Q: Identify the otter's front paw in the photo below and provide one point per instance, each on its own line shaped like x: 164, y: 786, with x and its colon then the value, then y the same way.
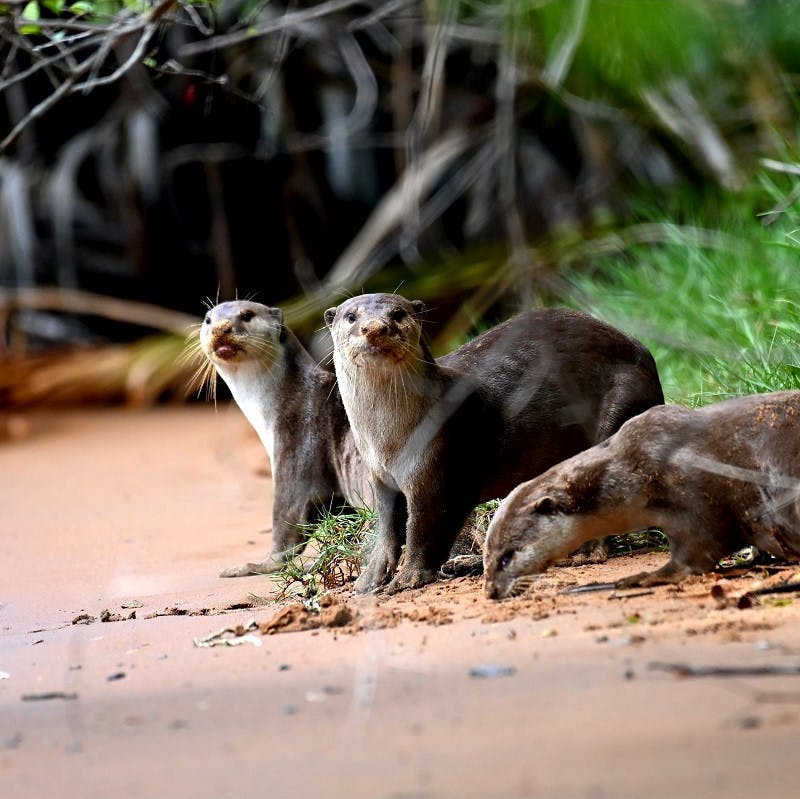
x: 376, y: 573
x: 410, y: 578
x: 270, y: 564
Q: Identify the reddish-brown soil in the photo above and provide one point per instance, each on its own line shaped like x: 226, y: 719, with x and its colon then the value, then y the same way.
x: 130, y: 516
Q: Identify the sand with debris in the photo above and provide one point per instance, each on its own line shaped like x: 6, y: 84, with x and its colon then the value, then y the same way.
x: 115, y: 525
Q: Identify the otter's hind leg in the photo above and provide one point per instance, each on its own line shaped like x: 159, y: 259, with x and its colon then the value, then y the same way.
x: 668, y: 574
x: 695, y: 547
x: 271, y: 563
x: 288, y: 536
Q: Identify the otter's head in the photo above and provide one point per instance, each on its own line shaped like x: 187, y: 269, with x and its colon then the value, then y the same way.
x: 377, y: 332
x: 532, y: 529
x: 241, y: 332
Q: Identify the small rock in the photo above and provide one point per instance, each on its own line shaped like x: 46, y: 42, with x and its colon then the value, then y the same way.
x: 718, y: 595
x: 491, y: 670
x: 749, y: 722
x: 13, y: 742
x: 745, y: 601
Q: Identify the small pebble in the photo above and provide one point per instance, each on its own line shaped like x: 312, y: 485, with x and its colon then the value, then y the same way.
x: 491, y: 670
x: 749, y: 722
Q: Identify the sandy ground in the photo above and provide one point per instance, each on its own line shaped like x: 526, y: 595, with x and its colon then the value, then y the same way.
x: 437, y: 692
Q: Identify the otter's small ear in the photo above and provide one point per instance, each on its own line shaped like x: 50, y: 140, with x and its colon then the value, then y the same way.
x: 277, y: 314
x: 418, y: 306
x: 545, y: 505
x: 329, y: 316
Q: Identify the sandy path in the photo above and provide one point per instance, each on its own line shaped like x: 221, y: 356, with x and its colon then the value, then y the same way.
x: 137, y: 512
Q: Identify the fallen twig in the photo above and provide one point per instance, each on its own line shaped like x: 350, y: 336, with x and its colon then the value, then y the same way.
x: 685, y: 670
x: 783, y: 588
x: 47, y: 695
x: 589, y: 588
x: 236, y: 636
x: 632, y: 594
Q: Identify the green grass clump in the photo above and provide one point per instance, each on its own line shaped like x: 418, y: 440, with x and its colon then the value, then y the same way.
x: 719, y: 311
x: 335, y: 544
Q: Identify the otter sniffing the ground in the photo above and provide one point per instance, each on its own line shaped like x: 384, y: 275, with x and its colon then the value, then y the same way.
x: 713, y: 479
x: 438, y: 437
x: 295, y: 408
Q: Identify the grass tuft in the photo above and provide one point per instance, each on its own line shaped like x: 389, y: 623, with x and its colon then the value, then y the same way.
x: 335, y: 542
x: 721, y: 321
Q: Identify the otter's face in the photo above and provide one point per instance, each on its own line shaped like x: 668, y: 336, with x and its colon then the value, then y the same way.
x: 376, y: 331
x: 528, y: 533
x: 240, y: 332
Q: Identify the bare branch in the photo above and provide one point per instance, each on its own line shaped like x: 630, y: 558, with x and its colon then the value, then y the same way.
x: 292, y: 19
x: 84, y: 302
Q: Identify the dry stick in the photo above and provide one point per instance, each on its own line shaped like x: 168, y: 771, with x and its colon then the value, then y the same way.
x: 144, y: 40
x: 292, y: 19
x: 44, y: 696
x: 84, y: 302
x: 783, y: 588
x: 684, y: 670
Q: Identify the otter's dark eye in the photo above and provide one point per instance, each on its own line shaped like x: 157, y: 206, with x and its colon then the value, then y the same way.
x: 398, y: 315
x: 207, y: 320
x: 246, y: 316
x: 351, y: 317
x: 506, y: 558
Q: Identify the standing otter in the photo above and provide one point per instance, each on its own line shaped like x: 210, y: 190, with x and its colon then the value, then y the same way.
x: 295, y: 408
x: 440, y: 437
x: 714, y: 479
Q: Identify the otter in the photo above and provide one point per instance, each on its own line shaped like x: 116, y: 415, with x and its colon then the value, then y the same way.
x: 439, y: 437
x: 295, y: 407
x: 713, y: 479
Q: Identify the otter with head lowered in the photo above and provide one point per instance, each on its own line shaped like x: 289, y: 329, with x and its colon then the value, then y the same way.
x: 713, y: 479
x: 295, y: 407
x: 438, y: 437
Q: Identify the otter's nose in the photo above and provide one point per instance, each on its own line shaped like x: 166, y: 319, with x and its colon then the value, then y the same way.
x: 374, y: 328
x: 222, y: 327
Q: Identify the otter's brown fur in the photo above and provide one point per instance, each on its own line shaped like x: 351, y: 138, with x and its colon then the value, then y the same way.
x: 295, y: 407
x: 438, y: 437
x: 713, y: 479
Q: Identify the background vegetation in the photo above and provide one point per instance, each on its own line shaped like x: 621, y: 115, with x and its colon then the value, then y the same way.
x: 636, y: 159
